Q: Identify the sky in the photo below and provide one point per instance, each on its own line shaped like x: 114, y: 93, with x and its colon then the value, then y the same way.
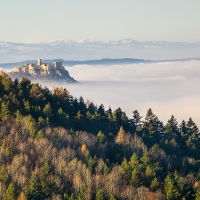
x: 147, y: 20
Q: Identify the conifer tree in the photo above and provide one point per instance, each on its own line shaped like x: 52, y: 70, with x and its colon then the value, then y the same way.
x: 112, y: 197
x: 135, y: 180
x: 154, y: 184
x: 99, y: 195
x: 197, y: 194
x: 121, y: 136
x: 5, y: 112
x: 169, y: 189
x: 47, y: 110
x: 3, y: 173
x: 10, y: 192
x: 22, y: 196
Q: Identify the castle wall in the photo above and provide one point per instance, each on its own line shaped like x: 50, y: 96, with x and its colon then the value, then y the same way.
x: 39, y: 62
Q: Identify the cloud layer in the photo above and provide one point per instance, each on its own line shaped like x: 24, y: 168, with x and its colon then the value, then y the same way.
x: 166, y: 87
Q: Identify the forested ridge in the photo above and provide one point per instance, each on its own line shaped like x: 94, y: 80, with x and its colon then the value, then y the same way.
x: 55, y: 146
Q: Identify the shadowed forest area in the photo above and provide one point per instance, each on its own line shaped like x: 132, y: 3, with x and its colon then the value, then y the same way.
x: 55, y: 146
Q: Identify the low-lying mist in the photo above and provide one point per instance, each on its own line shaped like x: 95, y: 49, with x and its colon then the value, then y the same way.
x: 166, y: 87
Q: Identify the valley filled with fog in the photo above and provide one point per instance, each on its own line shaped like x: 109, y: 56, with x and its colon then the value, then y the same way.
x: 166, y: 87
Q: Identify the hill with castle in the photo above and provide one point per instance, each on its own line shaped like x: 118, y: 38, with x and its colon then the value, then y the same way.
x: 43, y: 72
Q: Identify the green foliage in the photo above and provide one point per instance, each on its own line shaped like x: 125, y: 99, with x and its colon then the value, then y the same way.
x: 197, y: 194
x: 3, y: 173
x: 112, y: 197
x: 32, y: 129
x: 146, y: 159
x: 135, y: 180
x: 32, y: 190
x: 99, y: 195
x: 150, y: 173
x: 40, y: 134
x: 10, y: 192
x: 170, y: 190
x: 5, y: 112
x: 154, y: 184
x: 126, y: 167
x: 45, y: 169
x: 47, y: 110
x: 101, y: 137
x: 40, y: 188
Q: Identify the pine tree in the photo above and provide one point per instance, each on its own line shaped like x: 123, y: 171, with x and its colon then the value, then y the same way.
x: 5, y: 112
x: 121, y: 136
x: 10, y: 192
x: 126, y: 167
x: 150, y: 174
x: 170, y: 190
x: 135, y: 180
x: 152, y: 129
x: 154, y: 184
x: 134, y: 162
x: 47, y: 110
x: 197, y: 194
x: 32, y: 190
x: 136, y: 120
x: 101, y: 137
x: 112, y: 197
x: 3, y: 173
x: 99, y: 195
x: 22, y: 196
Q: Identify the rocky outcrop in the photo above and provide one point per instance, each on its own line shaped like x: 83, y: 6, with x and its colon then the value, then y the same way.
x: 43, y: 72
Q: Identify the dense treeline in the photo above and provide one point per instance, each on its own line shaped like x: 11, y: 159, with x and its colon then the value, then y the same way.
x: 55, y: 146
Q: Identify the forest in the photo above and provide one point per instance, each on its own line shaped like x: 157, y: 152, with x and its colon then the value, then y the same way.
x: 54, y: 146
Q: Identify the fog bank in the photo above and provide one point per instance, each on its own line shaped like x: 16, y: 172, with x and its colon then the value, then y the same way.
x: 166, y: 87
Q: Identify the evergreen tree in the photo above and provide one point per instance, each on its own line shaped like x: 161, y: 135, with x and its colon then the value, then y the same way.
x: 47, y: 110
x: 136, y: 120
x: 121, y: 136
x: 10, y: 192
x: 170, y: 190
x: 101, y: 137
x: 5, y: 112
x: 135, y: 180
x: 22, y: 196
x: 197, y: 194
x: 99, y: 195
x: 112, y: 197
x: 154, y: 184
x: 152, y: 129
x: 32, y: 190
x: 3, y: 173
x: 172, y: 129
x: 126, y: 167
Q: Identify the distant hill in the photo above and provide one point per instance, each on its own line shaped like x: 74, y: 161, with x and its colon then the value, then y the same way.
x: 106, y: 61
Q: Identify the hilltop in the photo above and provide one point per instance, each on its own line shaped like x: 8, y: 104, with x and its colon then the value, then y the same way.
x: 43, y: 71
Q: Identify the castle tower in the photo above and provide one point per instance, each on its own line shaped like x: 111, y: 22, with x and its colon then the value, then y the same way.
x: 39, y: 62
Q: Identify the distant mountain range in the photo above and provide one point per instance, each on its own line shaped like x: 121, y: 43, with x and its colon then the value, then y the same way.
x: 96, y: 50
x: 106, y: 61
